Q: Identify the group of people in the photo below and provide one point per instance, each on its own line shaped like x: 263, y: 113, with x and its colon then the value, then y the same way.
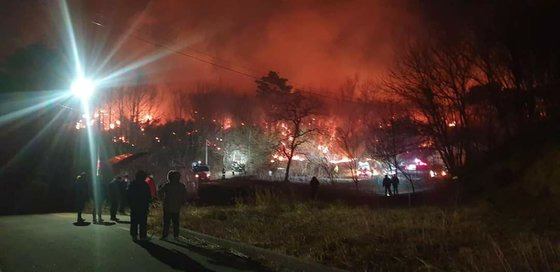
x: 138, y: 194
x: 387, y: 184
x: 391, y: 182
x: 114, y: 192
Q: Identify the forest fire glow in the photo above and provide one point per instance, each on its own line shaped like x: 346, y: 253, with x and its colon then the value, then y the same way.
x: 357, y: 135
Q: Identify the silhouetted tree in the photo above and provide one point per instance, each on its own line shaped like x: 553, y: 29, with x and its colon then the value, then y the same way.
x: 392, y: 137
x: 180, y: 104
x: 295, y: 112
x: 435, y: 79
x: 272, y: 85
x: 291, y: 110
x: 350, y: 141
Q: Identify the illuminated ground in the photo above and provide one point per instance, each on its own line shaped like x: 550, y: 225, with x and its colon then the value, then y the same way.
x: 371, y: 185
x: 51, y: 242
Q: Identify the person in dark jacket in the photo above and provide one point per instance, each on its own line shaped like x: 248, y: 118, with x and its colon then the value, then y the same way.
x: 174, y: 195
x: 387, y: 185
x: 139, y: 198
x: 113, y: 193
x: 314, y: 184
x: 395, y: 182
x: 98, y: 198
x: 123, y: 201
x: 82, y: 194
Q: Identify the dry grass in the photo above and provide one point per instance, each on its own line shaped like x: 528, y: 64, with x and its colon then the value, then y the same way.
x: 365, y: 239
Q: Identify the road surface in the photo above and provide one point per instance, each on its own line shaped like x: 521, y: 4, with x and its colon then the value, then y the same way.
x: 372, y: 185
x: 51, y: 242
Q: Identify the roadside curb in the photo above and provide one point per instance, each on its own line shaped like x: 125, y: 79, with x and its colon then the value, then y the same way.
x: 284, y: 262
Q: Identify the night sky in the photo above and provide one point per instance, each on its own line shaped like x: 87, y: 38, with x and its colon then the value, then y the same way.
x: 315, y: 44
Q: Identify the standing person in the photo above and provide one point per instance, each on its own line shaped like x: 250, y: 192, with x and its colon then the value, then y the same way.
x: 114, y: 193
x: 139, y: 198
x: 174, y: 195
x: 314, y: 184
x: 81, y: 188
x: 387, y: 185
x: 123, y: 185
x: 98, y: 197
x: 395, y: 182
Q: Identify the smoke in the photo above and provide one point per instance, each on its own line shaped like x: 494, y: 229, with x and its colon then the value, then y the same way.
x: 314, y: 43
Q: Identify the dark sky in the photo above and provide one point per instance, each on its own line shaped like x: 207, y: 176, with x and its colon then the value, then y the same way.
x: 314, y: 43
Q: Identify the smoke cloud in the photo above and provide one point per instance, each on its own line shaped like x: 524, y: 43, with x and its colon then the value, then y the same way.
x: 314, y: 43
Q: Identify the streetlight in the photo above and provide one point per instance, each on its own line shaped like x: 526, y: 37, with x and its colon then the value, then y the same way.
x: 82, y: 88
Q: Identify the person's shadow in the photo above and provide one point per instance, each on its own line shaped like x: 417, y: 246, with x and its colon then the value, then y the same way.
x: 105, y: 223
x: 173, y: 258
x: 223, y: 257
x: 81, y: 224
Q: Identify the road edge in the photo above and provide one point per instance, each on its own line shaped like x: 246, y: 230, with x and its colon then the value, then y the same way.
x: 284, y: 262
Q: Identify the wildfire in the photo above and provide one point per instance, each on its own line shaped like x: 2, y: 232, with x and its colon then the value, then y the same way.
x: 147, y: 118
x: 343, y: 159
x: 80, y: 125
x: 323, y: 148
x: 227, y: 123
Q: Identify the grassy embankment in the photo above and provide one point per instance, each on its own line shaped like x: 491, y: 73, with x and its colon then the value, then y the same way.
x: 366, y: 238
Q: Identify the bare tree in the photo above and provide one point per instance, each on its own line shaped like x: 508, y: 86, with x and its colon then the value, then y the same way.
x: 435, y: 79
x: 349, y: 141
x: 390, y: 138
x: 317, y: 154
x: 180, y: 104
x: 121, y: 101
x: 327, y: 167
x: 291, y: 110
x: 141, y: 100
x: 295, y: 113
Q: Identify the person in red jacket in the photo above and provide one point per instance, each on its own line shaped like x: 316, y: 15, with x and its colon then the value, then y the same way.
x: 152, y: 185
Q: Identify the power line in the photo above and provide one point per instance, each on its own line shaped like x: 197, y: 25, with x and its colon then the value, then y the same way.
x: 179, y: 52
x: 221, y: 66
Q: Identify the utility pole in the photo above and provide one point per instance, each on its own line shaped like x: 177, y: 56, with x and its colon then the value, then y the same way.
x: 249, y: 159
x: 206, y: 156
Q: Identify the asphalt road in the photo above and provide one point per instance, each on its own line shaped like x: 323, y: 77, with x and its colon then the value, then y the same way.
x: 51, y: 242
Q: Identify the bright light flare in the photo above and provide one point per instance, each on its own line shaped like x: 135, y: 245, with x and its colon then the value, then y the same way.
x: 83, y: 88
